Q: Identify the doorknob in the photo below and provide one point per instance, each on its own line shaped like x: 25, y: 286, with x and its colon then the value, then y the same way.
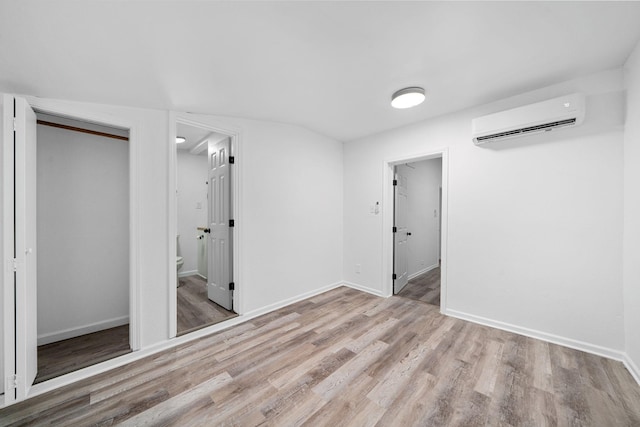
x: 207, y: 230
x: 408, y: 233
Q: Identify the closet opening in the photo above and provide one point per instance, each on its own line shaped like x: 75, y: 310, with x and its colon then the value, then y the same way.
x: 83, y: 241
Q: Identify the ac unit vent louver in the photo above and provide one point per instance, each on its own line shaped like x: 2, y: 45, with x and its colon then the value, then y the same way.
x: 543, y: 116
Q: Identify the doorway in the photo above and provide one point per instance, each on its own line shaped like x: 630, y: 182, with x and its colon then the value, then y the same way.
x: 417, y: 189
x: 414, y: 210
x: 70, y: 225
x: 204, y: 238
x: 83, y: 244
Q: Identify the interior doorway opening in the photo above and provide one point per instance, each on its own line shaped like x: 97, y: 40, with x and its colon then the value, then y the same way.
x: 414, y: 221
x: 417, y: 230
x: 82, y: 234
x: 204, y: 228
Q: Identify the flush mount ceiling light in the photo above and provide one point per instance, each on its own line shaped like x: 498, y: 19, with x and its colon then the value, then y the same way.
x: 180, y: 139
x: 407, y: 97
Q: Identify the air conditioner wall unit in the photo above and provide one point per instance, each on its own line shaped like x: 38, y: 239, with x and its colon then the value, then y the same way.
x: 556, y: 113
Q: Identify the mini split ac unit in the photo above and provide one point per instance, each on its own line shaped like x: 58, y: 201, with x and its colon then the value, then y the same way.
x: 565, y: 111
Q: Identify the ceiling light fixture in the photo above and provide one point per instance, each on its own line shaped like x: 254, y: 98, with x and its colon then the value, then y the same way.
x: 180, y: 139
x: 407, y: 97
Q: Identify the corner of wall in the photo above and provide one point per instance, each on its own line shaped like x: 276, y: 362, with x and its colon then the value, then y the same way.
x: 631, y: 227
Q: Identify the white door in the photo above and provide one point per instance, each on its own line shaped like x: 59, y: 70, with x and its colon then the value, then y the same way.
x: 400, y: 248
x: 19, y: 321
x: 219, y: 274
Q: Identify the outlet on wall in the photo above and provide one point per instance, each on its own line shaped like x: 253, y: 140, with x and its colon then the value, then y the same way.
x: 358, y: 268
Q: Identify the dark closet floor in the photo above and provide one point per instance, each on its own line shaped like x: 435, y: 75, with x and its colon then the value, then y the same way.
x: 69, y: 355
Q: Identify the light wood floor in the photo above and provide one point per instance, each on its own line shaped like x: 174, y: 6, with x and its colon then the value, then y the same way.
x: 347, y: 358
x: 195, y: 309
x: 425, y: 288
x: 69, y: 355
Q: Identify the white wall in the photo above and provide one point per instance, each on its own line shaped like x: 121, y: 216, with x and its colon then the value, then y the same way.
x: 82, y: 232
x: 535, y: 224
x: 631, y: 261
x: 291, y: 218
x: 424, y: 179
x: 192, y: 206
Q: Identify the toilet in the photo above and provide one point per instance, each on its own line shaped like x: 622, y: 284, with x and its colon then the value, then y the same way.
x: 179, y: 263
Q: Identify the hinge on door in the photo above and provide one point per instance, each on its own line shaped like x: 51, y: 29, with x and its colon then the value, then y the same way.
x: 395, y: 229
x: 13, y: 264
x: 12, y: 382
x: 232, y: 286
x: 232, y: 223
x: 394, y: 277
x: 395, y: 182
x: 15, y: 124
x: 232, y: 159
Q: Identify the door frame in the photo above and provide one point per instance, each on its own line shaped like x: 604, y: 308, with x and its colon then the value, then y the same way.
x: 234, y: 135
x: 387, y: 218
x: 61, y: 108
x: 65, y: 109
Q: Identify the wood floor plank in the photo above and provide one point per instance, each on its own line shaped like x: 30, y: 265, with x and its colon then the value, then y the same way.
x: 346, y: 358
x: 194, y: 309
x: 425, y: 288
x: 172, y: 408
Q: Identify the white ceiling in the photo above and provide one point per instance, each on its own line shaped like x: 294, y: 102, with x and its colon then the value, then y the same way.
x: 193, y: 135
x: 328, y: 66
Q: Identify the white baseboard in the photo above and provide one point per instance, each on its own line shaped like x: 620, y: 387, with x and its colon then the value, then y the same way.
x: 289, y: 301
x: 366, y: 289
x: 188, y: 273
x: 424, y: 270
x: 555, y: 339
x: 81, y: 330
x: 632, y: 368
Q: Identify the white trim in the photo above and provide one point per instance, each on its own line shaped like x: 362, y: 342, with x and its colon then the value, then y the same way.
x: 631, y: 367
x: 366, y: 289
x: 6, y: 250
x: 543, y: 336
x: 424, y: 270
x: 188, y: 273
x: 82, y: 330
x: 105, y: 366
x: 56, y: 107
x: 387, y: 219
x: 135, y: 155
x: 172, y: 224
